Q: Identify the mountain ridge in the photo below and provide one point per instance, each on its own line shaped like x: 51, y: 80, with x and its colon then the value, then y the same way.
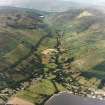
x: 71, y: 40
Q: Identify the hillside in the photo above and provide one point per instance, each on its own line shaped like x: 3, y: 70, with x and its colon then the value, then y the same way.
x: 21, y: 32
x: 45, y: 53
x: 84, y: 37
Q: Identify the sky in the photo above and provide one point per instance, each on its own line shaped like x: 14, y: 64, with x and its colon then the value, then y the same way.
x: 26, y: 2
x: 89, y: 1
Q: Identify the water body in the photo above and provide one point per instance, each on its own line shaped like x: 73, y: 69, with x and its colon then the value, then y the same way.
x: 66, y: 98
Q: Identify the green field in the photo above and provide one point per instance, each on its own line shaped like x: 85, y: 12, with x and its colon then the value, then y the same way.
x: 25, y: 35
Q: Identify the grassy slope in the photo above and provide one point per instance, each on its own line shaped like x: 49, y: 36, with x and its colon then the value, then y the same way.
x: 16, y: 43
x: 12, y: 36
x: 81, y: 38
x: 84, y: 37
x: 39, y: 91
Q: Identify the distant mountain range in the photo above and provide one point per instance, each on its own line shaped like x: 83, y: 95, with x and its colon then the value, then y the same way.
x: 26, y: 33
x: 51, y: 5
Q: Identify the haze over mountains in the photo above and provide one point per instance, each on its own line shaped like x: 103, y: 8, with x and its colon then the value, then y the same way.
x: 55, y: 5
x: 50, y: 5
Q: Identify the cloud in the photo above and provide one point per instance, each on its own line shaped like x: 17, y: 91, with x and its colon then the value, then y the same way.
x: 33, y: 3
x: 5, y: 2
x: 13, y: 2
x: 88, y: 1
